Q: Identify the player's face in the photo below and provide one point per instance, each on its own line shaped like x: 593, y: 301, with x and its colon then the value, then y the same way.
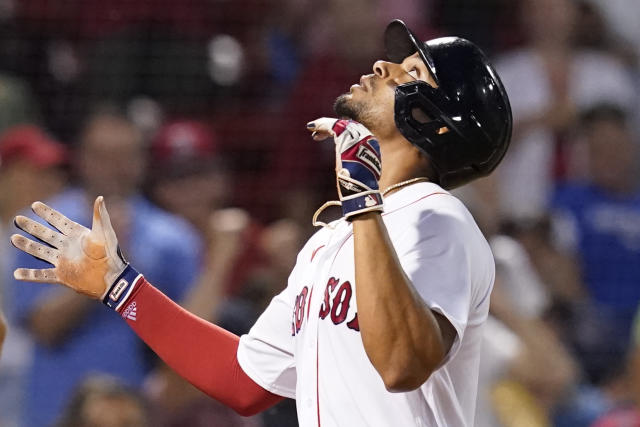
x: 612, y: 154
x: 371, y: 101
x: 104, y: 145
x: 102, y: 411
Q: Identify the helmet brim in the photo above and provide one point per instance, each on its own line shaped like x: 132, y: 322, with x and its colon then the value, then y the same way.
x: 400, y: 42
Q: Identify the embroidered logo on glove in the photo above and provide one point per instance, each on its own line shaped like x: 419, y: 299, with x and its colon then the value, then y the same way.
x: 117, y: 290
x: 370, y: 158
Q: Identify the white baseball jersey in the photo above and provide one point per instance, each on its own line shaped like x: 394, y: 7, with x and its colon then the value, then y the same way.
x: 307, y: 344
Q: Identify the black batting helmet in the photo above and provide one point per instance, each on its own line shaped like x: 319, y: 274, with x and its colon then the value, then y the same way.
x: 470, y: 101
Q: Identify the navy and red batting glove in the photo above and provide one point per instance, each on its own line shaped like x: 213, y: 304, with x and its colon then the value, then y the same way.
x: 358, y: 164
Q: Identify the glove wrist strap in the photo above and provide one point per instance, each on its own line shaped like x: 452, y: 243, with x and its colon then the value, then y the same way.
x: 360, y: 203
x: 122, y: 288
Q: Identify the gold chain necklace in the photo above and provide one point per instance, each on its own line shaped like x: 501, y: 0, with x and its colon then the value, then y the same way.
x: 402, y: 184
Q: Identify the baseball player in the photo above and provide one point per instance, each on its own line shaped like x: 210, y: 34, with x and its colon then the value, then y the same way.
x: 381, y: 321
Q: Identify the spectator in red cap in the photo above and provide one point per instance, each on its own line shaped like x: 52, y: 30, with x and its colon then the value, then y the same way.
x: 110, y: 160
x: 189, y: 178
x: 31, y: 168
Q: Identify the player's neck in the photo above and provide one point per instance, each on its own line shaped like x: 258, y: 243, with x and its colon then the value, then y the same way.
x: 401, y: 161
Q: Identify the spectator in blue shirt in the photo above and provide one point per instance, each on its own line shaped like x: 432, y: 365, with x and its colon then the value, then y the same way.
x: 75, y: 338
x: 32, y: 167
x: 600, y: 219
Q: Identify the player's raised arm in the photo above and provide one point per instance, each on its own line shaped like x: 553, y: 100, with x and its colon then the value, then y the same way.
x: 90, y: 263
x: 404, y: 340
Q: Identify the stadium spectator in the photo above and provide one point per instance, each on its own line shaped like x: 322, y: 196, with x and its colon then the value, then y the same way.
x: 191, y: 180
x: 513, y: 390
x: 627, y: 412
x: 598, y: 221
x: 594, y: 31
x: 621, y: 17
x: 103, y: 401
x: 549, y: 80
x: 110, y: 161
x: 31, y: 167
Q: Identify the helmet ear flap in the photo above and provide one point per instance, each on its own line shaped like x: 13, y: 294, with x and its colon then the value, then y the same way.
x: 417, y: 118
x: 416, y: 121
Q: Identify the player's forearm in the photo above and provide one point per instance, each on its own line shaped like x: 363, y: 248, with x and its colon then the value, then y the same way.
x: 54, y: 318
x: 400, y: 334
x: 202, y: 353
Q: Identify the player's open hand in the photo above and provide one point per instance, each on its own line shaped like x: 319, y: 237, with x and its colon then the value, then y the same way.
x: 87, y: 261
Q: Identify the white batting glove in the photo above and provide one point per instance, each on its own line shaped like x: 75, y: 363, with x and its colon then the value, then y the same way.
x: 87, y: 261
x: 358, y: 164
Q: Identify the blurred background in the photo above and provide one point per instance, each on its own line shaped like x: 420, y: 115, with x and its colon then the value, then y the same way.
x: 189, y: 117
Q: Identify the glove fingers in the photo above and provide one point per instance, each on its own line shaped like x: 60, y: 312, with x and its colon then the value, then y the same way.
x: 44, y: 275
x: 39, y: 231
x: 320, y: 135
x: 323, y: 125
x: 38, y: 250
x: 56, y: 219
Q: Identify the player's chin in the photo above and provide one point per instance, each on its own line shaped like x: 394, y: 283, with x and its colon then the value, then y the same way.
x: 345, y: 107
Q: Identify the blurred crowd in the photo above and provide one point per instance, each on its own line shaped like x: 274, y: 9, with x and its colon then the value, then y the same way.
x: 189, y: 117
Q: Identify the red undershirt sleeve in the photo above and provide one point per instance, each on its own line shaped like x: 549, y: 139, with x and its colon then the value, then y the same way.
x: 199, y: 351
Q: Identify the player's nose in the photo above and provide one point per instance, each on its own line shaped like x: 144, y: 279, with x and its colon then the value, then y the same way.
x: 382, y: 69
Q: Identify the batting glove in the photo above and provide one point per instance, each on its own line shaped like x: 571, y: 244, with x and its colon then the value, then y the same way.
x: 87, y: 261
x: 358, y: 164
